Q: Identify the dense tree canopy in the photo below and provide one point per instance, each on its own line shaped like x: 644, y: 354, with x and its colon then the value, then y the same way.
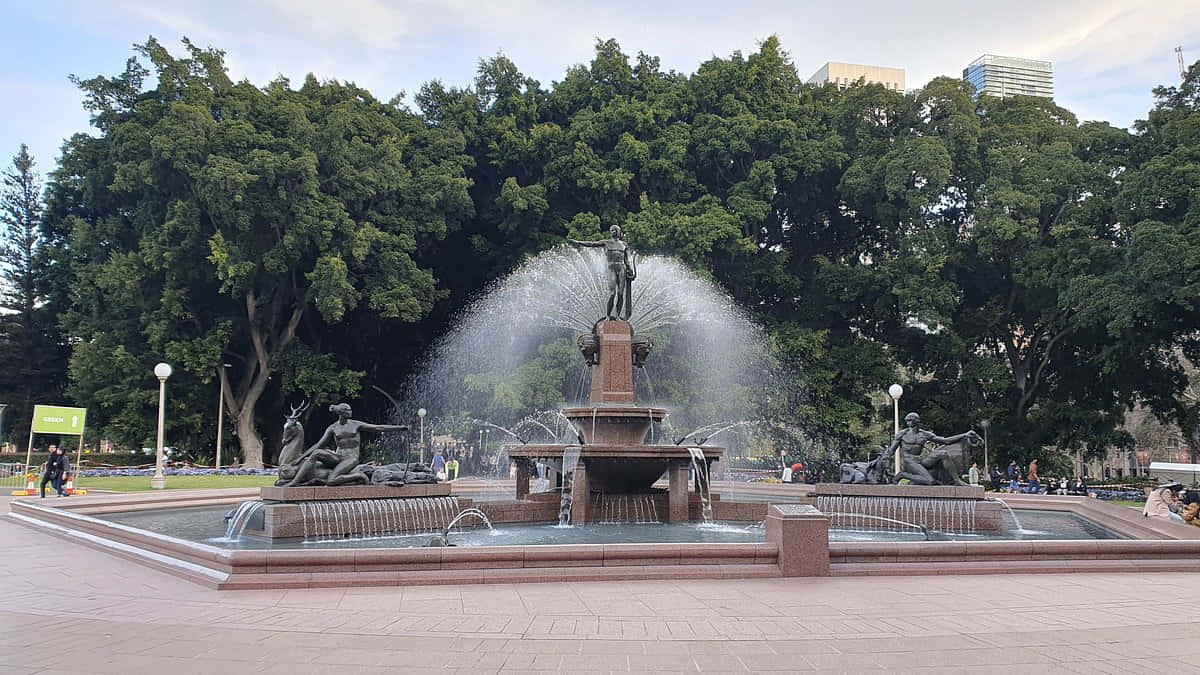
x: 997, y: 256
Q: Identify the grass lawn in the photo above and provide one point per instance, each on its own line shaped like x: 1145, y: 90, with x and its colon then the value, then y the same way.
x: 140, y: 483
x: 1129, y: 502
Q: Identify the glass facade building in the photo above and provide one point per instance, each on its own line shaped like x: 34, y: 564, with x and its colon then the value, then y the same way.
x: 1007, y: 76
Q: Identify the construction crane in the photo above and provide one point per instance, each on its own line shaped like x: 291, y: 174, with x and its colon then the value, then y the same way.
x: 1179, y: 56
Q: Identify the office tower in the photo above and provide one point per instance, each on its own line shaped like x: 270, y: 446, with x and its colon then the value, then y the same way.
x: 1008, y: 76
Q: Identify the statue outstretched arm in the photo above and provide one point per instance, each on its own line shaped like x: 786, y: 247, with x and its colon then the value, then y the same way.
x: 380, y: 428
x: 952, y: 439
x: 589, y: 244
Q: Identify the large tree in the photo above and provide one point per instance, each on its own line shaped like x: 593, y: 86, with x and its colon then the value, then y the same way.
x: 229, y: 223
x: 29, y: 341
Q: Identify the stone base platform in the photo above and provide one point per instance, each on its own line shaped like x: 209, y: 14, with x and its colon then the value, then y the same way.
x: 888, y: 490
x: 324, y: 493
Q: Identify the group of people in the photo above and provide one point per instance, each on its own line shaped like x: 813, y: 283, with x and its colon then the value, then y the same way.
x: 1012, y: 478
x: 58, y: 468
x: 443, y: 468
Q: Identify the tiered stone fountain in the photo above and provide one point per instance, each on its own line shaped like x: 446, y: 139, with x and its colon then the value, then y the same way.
x: 614, y: 458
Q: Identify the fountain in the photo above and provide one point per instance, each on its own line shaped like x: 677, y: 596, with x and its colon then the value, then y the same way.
x: 614, y: 458
x: 612, y: 452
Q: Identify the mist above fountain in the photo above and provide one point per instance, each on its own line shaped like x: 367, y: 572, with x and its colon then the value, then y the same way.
x: 513, y: 353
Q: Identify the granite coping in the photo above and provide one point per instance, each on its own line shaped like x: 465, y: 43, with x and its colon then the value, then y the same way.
x: 796, y: 511
x: 325, y: 493
x: 921, y: 491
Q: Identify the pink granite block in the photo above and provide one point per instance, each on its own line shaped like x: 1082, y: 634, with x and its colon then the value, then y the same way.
x: 353, y: 579
x: 325, y: 560
x: 406, y: 559
x: 580, y: 555
x: 641, y: 554
x: 801, y: 534
x: 487, y: 557
x: 435, y: 577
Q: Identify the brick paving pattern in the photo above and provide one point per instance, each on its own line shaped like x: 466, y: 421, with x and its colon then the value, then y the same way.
x: 69, y: 609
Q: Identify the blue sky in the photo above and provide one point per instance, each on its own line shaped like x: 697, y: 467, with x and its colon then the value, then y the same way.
x: 1107, y: 54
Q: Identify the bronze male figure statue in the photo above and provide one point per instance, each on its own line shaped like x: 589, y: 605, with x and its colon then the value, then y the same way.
x: 621, y: 272
x: 942, y: 466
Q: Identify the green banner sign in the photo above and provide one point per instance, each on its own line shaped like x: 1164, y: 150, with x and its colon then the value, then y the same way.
x: 52, y: 419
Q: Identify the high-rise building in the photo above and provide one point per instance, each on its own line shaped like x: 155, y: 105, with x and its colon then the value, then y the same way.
x: 846, y: 74
x: 1007, y: 76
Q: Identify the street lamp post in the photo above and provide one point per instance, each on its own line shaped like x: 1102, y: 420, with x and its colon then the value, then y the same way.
x: 221, y: 412
x: 421, y: 443
x: 3, y: 406
x: 162, y: 371
x: 985, y: 424
x: 896, y: 391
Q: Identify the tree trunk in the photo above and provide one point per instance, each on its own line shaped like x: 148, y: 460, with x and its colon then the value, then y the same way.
x: 242, y: 404
x: 249, y: 441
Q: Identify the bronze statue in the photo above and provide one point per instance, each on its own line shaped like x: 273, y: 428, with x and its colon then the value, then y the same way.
x: 621, y: 272
x: 341, y: 461
x: 943, y: 465
x: 292, y: 454
x: 873, y: 471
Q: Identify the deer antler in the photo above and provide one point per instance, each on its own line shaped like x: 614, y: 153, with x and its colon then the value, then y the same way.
x: 298, y: 410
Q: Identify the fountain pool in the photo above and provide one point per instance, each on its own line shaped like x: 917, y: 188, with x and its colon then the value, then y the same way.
x: 204, y: 525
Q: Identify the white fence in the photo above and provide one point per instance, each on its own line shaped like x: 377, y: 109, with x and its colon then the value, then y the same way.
x: 12, y: 476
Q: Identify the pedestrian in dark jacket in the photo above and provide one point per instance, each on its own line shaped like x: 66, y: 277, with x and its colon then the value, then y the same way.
x: 55, y: 472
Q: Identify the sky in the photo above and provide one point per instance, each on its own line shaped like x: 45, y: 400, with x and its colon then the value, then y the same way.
x: 1107, y: 54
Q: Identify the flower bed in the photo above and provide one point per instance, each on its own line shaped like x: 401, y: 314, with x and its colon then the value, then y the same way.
x: 1123, y: 495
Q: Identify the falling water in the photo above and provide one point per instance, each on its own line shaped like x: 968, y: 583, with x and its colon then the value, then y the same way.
x: 237, y: 523
x: 570, y: 459
x: 864, y: 512
x: 372, y: 517
x: 1016, y: 520
x: 700, y: 466
x: 707, y: 351
x: 618, y: 509
x: 859, y: 517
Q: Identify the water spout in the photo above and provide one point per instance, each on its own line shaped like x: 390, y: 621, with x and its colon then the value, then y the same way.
x: 570, y: 460
x: 237, y: 522
x: 700, y: 466
x: 510, y: 433
x: 1017, y: 521
x: 924, y: 530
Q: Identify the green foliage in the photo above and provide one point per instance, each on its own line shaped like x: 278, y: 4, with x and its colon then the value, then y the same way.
x: 999, y: 258
x: 221, y: 214
x: 30, y: 344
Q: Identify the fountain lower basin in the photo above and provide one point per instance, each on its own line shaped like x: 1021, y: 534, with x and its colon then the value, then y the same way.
x: 796, y: 541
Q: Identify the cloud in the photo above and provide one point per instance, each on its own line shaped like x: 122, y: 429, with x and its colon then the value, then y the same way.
x: 1108, y: 54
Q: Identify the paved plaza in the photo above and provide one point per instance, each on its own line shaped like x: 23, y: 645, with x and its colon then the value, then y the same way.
x: 71, y: 609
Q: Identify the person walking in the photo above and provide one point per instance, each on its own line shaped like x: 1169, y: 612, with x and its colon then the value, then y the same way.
x: 1014, y: 476
x: 55, y: 464
x: 452, y: 468
x: 996, y: 477
x: 1035, y: 485
x: 973, y: 474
